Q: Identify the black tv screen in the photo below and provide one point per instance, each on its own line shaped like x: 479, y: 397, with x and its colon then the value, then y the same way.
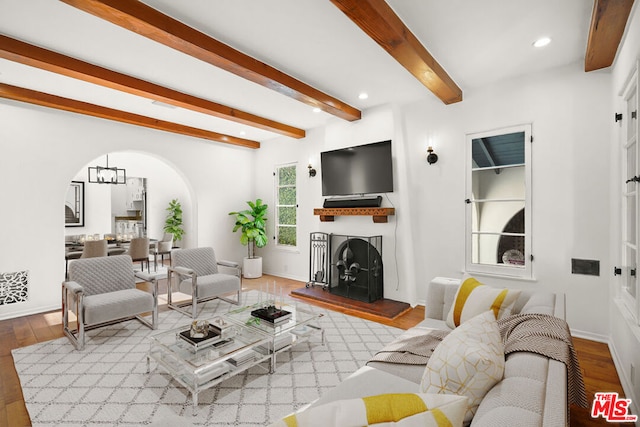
x: 363, y: 169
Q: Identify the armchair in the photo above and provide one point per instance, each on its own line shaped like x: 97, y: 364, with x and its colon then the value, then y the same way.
x: 102, y: 291
x: 197, y: 274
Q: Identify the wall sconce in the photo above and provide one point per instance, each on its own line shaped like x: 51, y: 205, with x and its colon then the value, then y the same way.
x: 431, y: 157
x: 312, y: 171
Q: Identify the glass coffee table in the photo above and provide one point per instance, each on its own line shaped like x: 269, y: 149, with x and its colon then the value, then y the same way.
x: 296, y: 328
x: 204, y: 364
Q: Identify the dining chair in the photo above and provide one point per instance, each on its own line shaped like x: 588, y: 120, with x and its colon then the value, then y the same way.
x: 139, y: 251
x: 162, y: 248
x: 94, y: 248
x: 70, y: 255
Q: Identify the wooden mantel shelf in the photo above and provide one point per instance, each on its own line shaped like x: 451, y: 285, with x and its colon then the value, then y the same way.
x: 379, y: 215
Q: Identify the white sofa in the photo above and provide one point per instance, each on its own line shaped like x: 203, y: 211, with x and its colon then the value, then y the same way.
x: 533, y: 392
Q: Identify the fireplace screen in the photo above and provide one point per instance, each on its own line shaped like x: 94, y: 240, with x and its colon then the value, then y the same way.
x: 356, y: 267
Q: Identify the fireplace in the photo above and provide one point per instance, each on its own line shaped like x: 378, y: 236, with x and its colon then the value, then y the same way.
x: 356, y: 267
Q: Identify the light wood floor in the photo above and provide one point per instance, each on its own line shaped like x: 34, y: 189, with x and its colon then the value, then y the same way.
x: 595, y: 360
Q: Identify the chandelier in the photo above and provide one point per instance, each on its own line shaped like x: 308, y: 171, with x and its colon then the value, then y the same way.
x: 107, y: 175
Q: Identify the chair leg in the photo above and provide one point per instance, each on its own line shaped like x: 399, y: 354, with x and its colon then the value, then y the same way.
x: 194, y: 298
x: 75, y: 336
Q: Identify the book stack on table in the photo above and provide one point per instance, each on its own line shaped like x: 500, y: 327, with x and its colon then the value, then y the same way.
x: 199, y: 343
x: 272, y: 315
x: 242, y: 358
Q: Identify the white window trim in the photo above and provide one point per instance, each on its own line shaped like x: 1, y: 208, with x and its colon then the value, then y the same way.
x: 501, y: 270
x: 276, y: 198
x: 632, y: 304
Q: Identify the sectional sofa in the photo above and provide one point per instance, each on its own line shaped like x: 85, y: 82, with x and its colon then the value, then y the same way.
x: 532, y: 392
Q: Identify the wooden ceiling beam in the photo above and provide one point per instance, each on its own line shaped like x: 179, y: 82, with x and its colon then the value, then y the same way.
x: 149, y: 22
x: 608, y: 21
x: 53, y: 101
x: 34, y: 56
x: 380, y: 22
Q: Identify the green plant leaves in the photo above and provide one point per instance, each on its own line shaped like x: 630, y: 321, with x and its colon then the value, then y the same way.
x: 252, y: 222
x: 173, y: 222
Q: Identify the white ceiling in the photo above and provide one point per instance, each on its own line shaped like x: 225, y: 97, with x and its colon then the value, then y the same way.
x: 476, y: 42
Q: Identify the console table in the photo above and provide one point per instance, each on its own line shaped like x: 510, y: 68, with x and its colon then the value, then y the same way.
x: 379, y: 215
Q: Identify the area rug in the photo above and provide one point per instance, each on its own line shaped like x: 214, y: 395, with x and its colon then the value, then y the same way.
x: 106, y: 384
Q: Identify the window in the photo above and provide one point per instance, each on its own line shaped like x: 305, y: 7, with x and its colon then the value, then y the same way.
x: 286, y: 206
x: 498, y: 232
x: 630, y: 200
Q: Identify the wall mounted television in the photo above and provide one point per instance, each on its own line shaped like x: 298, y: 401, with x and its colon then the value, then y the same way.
x: 363, y: 169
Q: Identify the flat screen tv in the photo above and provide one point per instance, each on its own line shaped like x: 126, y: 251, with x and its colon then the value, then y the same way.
x: 363, y: 169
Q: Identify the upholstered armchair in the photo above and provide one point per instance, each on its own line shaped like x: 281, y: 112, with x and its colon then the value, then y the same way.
x: 102, y: 291
x: 196, y: 273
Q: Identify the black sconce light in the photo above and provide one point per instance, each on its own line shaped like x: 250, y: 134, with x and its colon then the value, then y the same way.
x: 431, y: 157
x: 312, y: 171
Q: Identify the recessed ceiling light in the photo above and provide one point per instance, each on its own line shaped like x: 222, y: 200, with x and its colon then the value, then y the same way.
x: 243, y: 133
x: 316, y: 110
x: 363, y: 95
x: 543, y: 41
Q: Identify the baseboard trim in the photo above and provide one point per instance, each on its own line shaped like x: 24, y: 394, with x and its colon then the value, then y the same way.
x: 624, y: 381
x: 30, y: 311
x: 286, y: 276
x: 590, y: 336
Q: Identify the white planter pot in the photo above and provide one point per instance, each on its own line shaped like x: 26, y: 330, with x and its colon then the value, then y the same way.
x: 252, y: 268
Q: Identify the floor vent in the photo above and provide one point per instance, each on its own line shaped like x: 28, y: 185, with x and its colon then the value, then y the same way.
x: 14, y: 287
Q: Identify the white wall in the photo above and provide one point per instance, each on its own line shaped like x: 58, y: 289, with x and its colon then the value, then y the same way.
x: 43, y: 149
x: 624, y: 332
x: 570, y: 114
x: 377, y: 124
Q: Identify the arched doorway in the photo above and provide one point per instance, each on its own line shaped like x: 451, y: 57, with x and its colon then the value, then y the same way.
x: 163, y: 182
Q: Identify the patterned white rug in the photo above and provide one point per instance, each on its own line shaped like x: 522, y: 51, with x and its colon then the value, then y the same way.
x: 106, y: 384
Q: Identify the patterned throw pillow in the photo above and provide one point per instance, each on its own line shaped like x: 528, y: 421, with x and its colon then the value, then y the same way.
x: 468, y: 362
x: 474, y: 298
x: 402, y: 410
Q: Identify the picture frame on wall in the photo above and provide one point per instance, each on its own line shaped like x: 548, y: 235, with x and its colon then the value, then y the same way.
x: 74, y: 205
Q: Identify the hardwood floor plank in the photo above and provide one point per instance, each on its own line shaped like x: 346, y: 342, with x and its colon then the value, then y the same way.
x: 17, y: 415
x: 23, y: 333
x: 595, y: 359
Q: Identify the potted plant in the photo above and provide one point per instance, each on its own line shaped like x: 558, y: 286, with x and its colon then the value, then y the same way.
x: 173, y: 222
x: 252, y: 222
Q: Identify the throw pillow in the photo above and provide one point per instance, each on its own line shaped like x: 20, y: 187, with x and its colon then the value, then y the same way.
x: 402, y: 410
x: 468, y: 362
x: 474, y: 298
